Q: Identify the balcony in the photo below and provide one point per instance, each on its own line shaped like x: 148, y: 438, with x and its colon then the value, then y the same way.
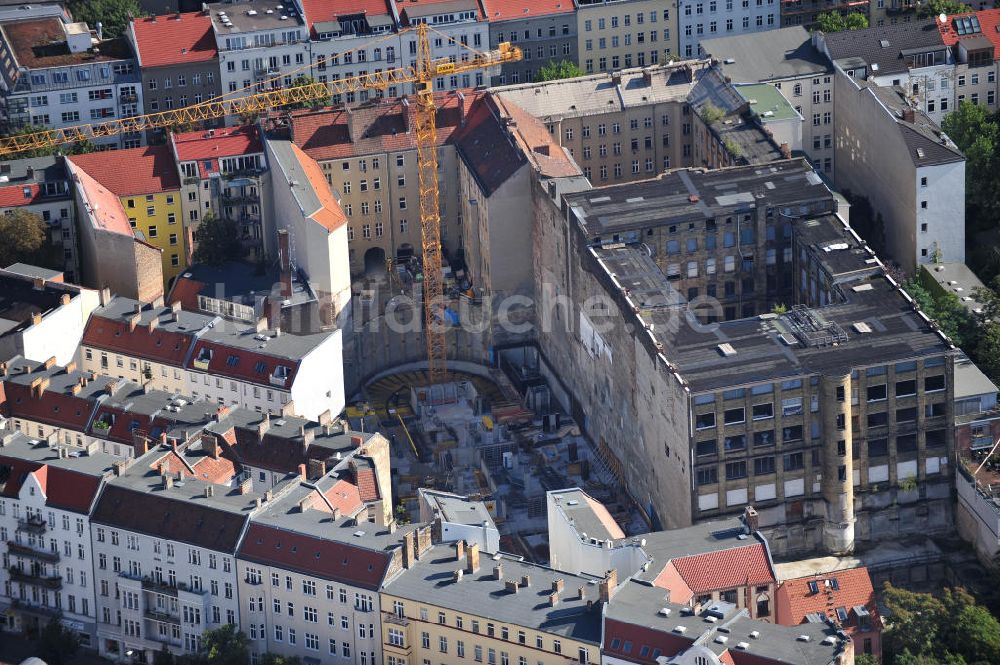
x: 35, y: 578
x: 37, y: 610
x: 896, y: 8
x: 278, y: 377
x: 128, y: 99
x: 396, y: 620
x: 161, y: 617
x: 201, y: 362
x: 238, y: 198
x: 33, y: 524
x: 24, y: 550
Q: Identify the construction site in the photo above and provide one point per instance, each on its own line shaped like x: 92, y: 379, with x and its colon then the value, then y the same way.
x: 492, y: 434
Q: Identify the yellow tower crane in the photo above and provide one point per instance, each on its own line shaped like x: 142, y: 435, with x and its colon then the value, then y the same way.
x: 422, y: 75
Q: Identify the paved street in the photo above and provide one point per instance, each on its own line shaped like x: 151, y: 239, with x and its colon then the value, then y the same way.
x: 14, y: 649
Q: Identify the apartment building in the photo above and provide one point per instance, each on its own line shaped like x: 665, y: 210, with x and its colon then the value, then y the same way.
x: 221, y: 361
x: 368, y: 156
x: 544, y: 31
x: 912, y: 174
x: 178, y: 60
x: 643, y: 625
x: 844, y: 599
x: 760, y: 397
x: 707, y: 19
x: 41, y: 185
x: 912, y: 56
x: 443, y: 606
x: 221, y: 173
x: 618, y: 127
x: 804, y: 12
x: 787, y: 59
x: 457, y: 26
x: 260, y: 47
x: 310, y: 574
x: 973, y: 39
x: 44, y: 316
x: 585, y: 539
x: 112, y: 255
x: 61, y: 74
x: 347, y: 39
x: 145, y: 181
x: 621, y: 34
x: 165, y: 540
x: 312, y: 231
x: 48, y: 571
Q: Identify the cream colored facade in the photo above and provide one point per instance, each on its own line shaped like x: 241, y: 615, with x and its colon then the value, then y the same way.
x: 379, y: 194
x: 613, y: 35
x: 631, y: 130
x: 169, y: 378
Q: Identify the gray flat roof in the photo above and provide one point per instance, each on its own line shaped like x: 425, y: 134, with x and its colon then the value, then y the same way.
x: 767, y: 56
x: 970, y: 381
x: 956, y: 278
x: 17, y: 444
x: 585, y: 513
x: 458, y: 509
x: 430, y: 581
x: 266, y: 16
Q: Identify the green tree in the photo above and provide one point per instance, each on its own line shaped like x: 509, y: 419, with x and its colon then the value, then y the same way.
x: 976, y: 132
x: 225, y: 646
x: 987, y: 351
x: 949, y: 313
x: 937, y: 7
x: 274, y: 659
x: 164, y: 657
x: 553, y: 71
x: 114, y: 15
x: 865, y: 659
x: 836, y: 22
x: 302, y: 81
x: 57, y: 644
x: 216, y: 241
x: 24, y: 237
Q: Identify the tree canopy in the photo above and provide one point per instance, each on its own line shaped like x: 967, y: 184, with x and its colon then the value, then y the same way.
x: 113, y: 14
x: 564, y: 69
x: 24, y: 237
x: 938, y: 7
x: 836, y: 22
x: 216, y: 241
x: 77, y: 148
x: 57, y: 644
x: 950, y: 629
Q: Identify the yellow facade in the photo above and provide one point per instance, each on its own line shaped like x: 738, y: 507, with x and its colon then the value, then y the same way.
x: 158, y: 219
x: 414, y: 633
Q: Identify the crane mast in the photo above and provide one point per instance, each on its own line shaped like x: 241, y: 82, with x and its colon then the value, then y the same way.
x: 422, y: 75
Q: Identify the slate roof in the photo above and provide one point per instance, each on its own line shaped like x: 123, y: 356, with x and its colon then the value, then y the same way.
x: 927, y: 144
x: 768, y: 56
x: 174, y: 39
x: 487, y: 149
x: 175, y: 514
x: 884, y: 46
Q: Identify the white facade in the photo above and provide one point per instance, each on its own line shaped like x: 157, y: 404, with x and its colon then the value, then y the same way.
x: 940, y: 213
x: 292, y: 614
x: 155, y: 593
x: 707, y: 19
x: 51, y: 550
x: 932, y: 89
x: 574, y: 551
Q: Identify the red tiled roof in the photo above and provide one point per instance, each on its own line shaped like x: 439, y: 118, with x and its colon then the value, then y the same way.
x: 345, y: 497
x: 205, y: 147
x: 246, y: 367
x: 52, y: 408
x: 669, y: 644
x: 329, y: 215
x: 367, y: 484
x: 185, y: 291
x: 71, y: 490
x: 671, y: 580
x: 174, y: 39
x: 989, y: 21
x: 323, y: 135
x: 725, y: 569
x: 64, y: 488
x: 321, y: 11
x: 504, y: 10
x: 795, y: 600
x: 321, y: 557
x: 106, y: 209
x: 214, y: 470
x: 13, y: 196
x: 134, y: 171
x: 161, y: 345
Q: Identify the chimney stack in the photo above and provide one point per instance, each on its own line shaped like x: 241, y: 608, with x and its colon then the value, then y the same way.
x: 608, y: 584
x: 302, y: 472
x: 459, y: 550
x: 36, y: 318
x: 553, y: 599
x: 786, y: 151
x: 580, y: 593
x: 472, y: 558
x: 498, y: 571
x: 511, y: 586
x: 909, y: 115
x: 409, y: 554
x: 525, y: 581
x: 751, y: 519
x: 285, y: 262
x: 557, y: 586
